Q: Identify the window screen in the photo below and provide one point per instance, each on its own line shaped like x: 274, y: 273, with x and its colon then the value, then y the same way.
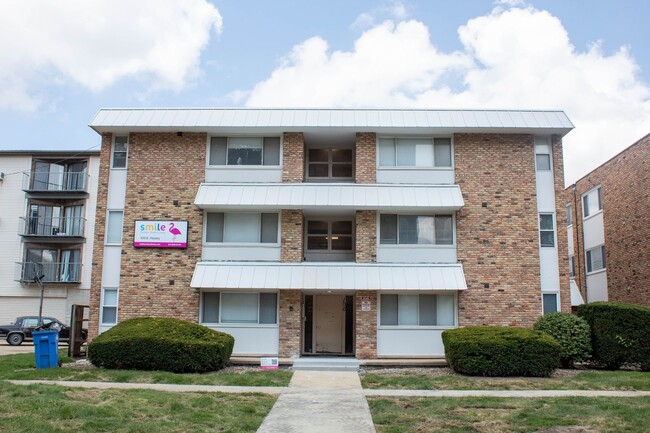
x: 114, y: 227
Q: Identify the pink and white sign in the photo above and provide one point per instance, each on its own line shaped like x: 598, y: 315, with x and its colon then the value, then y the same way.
x: 160, y: 234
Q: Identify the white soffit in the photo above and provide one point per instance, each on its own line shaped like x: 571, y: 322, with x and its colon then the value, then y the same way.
x: 274, y: 196
x: 387, y: 121
x: 328, y: 276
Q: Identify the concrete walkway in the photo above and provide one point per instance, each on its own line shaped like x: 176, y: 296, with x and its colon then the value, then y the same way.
x: 320, y: 402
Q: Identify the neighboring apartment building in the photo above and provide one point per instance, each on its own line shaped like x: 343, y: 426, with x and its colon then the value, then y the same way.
x: 608, y: 224
x: 47, y: 219
x: 347, y: 232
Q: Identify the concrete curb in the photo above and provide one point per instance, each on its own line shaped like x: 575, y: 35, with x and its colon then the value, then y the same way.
x: 501, y: 393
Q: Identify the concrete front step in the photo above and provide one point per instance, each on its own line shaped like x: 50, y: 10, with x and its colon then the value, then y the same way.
x: 323, y: 363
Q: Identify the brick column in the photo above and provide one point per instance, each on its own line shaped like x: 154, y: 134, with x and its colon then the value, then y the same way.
x: 292, y: 236
x: 98, y: 244
x: 366, y: 236
x: 365, y: 325
x: 366, y: 157
x: 293, y: 157
x: 560, y: 223
x: 290, y: 321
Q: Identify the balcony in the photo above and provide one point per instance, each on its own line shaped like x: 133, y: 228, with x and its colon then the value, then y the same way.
x: 52, y: 229
x: 53, y: 272
x: 56, y: 184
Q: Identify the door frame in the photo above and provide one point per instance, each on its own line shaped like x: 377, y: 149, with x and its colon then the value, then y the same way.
x: 343, y: 327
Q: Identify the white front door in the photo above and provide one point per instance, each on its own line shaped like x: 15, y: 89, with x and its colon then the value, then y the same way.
x: 329, y: 318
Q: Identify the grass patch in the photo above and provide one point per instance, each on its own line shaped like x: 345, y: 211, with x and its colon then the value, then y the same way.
x: 444, y: 378
x: 39, y: 408
x: 22, y: 367
x: 495, y: 415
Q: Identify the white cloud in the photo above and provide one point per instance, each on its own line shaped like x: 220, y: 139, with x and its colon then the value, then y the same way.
x: 95, y: 43
x: 516, y: 57
x: 394, y: 9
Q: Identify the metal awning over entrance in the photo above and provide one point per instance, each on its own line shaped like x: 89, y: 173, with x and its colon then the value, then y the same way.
x: 328, y: 276
x: 352, y: 196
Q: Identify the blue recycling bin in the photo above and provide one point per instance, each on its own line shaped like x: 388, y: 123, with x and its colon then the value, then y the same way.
x: 46, y: 348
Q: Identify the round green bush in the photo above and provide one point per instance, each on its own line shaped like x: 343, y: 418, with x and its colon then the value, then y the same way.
x: 149, y: 343
x: 620, y: 333
x: 500, y: 351
x: 573, y: 334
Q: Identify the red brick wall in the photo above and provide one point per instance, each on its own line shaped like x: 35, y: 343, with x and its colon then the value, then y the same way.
x: 497, y: 231
x: 366, y: 236
x: 365, y: 325
x: 366, y: 157
x: 625, y: 182
x: 290, y: 322
x: 292, y: 235
x: 162, y: 167
x: 293, y: 157
x: 98, y: 245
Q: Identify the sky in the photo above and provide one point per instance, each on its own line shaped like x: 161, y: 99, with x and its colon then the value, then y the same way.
x: 62, y: 61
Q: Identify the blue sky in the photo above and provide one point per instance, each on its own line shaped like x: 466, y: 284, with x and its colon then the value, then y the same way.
x: 589, y: 58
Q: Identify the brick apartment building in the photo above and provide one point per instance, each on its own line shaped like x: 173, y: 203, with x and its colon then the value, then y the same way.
x: 608, y: 225
x: 47, y: 220
x: 340, y: 232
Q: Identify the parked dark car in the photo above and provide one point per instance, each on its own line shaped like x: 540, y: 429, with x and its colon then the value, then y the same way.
x: 22, y: 328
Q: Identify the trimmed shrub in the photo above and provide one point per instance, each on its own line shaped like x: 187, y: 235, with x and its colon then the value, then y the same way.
x: 620, y: 333
x: 500, y: 351
x: 149, y: 343
x: 573, y: 334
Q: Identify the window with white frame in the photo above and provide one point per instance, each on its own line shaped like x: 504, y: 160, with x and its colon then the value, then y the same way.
x: 595, y: 258
x: 592, y: 202
x: 244, y: 227
x: 416, y: 229
x: 114, y: 227
x: 546, y: 230
x: 239, y: 308
x: 417, y: 310
x: 549, y: 303
x: 415, y: 152
x: 120, y: 151
x: 109, y: 306
x: 572, y: 266
x: 569, y: 215
x: 244, y: 151
x: 543, y: 162
x: 329, y: 163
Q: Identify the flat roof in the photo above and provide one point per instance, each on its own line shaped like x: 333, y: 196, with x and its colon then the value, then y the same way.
x: 314, y: 120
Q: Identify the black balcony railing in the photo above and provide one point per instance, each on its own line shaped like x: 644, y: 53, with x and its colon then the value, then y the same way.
x: 63, y: 181
x: 61, y: 272
x: 52, y: 226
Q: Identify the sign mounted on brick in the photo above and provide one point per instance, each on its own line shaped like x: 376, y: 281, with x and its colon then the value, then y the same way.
x: 160, y: 234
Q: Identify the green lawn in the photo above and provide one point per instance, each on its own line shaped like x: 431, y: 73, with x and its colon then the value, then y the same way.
x: 21, y: 366
x: 496, y: 415
x: 439, y: 378
x: 47, y: 408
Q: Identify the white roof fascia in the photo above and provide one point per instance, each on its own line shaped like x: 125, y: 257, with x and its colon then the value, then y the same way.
x: 275, y: 196
x: 328, y: 276
x: 381, y: 121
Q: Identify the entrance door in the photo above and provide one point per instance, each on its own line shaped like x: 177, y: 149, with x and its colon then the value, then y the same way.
x: 329, y: 316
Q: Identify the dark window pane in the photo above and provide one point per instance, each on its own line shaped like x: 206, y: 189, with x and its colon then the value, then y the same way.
x: 211, y: 307
x: 214, y: 228
x: 342, y: 227
x: 415, y: 229
x: 244, y: 156
x: 317, y: 242
x: 318, y: 155
x: 341, y: 170
x: 442, y: 152
x: 428, y: 307
x: 271, y: 150
x: 543, y: 162
x: 550, y: 303
x: 269, y: 228
x: 342, y: 243
x: 268, y: 308
x: 388, y: 313
x: 218, y: 148
x: 318, y: 170
x: 388, y: 229
x: 444, y: 230
x: 341, y: 155
x: 317, y: 227
x: 547, y: 239
x: 546, y: 222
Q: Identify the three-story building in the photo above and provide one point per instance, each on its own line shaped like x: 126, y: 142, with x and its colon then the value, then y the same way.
x: 338, y: 231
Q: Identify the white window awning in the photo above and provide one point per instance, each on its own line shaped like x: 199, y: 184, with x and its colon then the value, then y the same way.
x: 274, y: 196
x: 576, y: 297
x: 328, y: 276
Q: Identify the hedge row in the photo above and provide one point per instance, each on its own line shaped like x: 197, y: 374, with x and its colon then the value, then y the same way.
x: 500, y: 351
x: 620, y: 333
x: 161, y: 344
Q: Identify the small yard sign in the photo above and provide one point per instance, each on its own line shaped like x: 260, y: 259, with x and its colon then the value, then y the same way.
x: 269, y: 363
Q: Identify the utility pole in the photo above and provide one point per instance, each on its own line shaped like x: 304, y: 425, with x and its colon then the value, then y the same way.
x: 38, y: 279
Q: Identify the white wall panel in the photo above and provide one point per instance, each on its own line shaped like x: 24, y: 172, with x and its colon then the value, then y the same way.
x: 252, y: 340
x: 399, y: 175
x: 242, y: 253
x: 594, y: 231
x: 597, y: 287
x: 112, y: 266
x: 410, y: 342
x: 419, y: 254
x: 116, y: 189
x: 13, y: 307
x: 549, y: 269
x: 569, y: 233
x: 243, y: 174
